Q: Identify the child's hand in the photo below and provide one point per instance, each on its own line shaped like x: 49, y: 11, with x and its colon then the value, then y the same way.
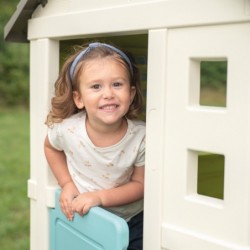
x: 68, y: 193
x: 83, y: 202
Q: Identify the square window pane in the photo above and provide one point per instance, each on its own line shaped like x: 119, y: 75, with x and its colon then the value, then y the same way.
x: 211, y: 175
x: 213, y: 83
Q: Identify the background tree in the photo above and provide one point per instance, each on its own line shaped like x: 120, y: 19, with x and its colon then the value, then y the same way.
x: 14, y: 63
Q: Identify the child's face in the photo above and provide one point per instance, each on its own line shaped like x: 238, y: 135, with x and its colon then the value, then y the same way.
x: 104, y: 91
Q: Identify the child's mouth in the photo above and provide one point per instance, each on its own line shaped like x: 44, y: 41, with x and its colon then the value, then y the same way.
x: 109, y: 107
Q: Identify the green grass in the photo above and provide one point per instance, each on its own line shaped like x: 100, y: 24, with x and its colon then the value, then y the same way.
x: 211, y: 175
x: 213, y: 97
x: 14, y: 172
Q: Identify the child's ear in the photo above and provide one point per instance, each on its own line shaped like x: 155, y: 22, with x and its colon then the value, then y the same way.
x: 132, y: 94
x: 78, y: 100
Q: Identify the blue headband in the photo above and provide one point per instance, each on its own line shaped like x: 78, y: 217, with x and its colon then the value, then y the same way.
x: 93, y: 46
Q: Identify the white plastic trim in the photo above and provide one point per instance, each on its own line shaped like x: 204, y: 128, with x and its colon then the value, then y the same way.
x: 50, y: 196
x: 32, y: 189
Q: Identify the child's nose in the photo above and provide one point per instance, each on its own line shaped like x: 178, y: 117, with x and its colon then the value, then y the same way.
x: 108, y: 93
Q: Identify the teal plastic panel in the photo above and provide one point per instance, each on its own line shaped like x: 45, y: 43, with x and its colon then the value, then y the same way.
x: 98, y: 230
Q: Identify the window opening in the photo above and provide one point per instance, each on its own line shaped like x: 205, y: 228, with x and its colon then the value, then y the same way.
x: 213, y: 83
x: 210, y: 181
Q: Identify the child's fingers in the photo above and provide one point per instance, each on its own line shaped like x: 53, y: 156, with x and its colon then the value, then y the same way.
x: 82, y: 209
x: 85, y: 209
x: 67, y: 210
x: 82, y: 203
x: 81, y: 206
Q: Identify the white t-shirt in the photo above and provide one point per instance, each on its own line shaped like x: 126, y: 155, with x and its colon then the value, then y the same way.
x: 93, y: 168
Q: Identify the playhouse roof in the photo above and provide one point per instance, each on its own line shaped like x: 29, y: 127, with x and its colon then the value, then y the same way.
x: 59, y: 20
x: 16, y: 29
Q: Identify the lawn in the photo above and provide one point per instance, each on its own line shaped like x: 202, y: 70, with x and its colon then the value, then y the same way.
x: 211, y: 175
x: 14, y: 172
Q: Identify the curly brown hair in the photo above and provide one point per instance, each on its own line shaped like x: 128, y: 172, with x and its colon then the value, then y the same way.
x: 62, y: 103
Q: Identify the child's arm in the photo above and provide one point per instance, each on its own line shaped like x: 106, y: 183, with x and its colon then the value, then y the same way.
x: 57, y: 162
x: 127, y: 193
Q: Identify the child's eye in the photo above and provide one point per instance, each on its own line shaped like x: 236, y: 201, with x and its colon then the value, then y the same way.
x: 117, y: 84
x: 96, y: 86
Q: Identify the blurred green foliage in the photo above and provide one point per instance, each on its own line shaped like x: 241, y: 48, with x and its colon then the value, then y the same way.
x: 14, y: 63
x: 213, y: 74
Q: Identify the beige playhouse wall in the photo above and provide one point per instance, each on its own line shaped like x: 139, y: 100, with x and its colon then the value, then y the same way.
x: 176, y: 218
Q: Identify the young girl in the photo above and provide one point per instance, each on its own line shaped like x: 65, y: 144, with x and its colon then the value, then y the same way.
x: 95, y: 146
